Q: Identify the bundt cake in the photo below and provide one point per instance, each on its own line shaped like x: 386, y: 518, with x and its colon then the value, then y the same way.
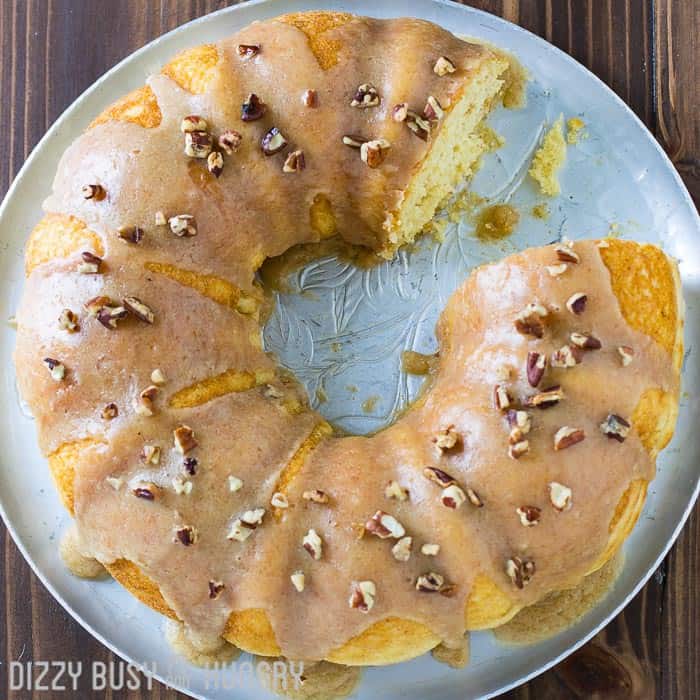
x: 195, y: 471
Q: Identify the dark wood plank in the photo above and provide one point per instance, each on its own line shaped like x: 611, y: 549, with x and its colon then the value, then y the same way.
x: 51, y: 50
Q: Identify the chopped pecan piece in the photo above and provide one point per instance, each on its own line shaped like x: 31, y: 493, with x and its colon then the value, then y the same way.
x: 567, y: 356
x: 615, y: 427
x: 182, y: 486
x: 215, y: 163
x: 193, y: 122
x: 252, y: 109
x: 566, y: 437
x: 159, y: 218
x: 536, y: 365
x: 374, y: 152
x: 520, y: 424
x: 546, y: 398
x: 354, y: 141
x: 110, y: 411
x: 530, y: 320
x: 566, y: 253
x: 91, y: 264
x: 130, y: 234
x: 430, y: 550
x: 234, y: 483
x: 501, y: 397
x: 384, y: 526
x: 362, y: 595
x: 430, y: 582
x: 560, y: 496
x: 216, y: 588
x: 315, y: 496
x: 365, y: 96
x: 529, y: 515
x: 239, y: 531
x: 310, y: 98
x: 147, y: 491
x: 474, y: 498
x: 96, y: 192
x: 184, y: 439
x: 190, y: 465
x: 557, y: 270
x: 183, y: 225
x: 150, y: 454
x: 518, y: 449
x: 108, y: 316
x: 137, y: 308
x: 157, y: 377
x: 56, y: 369
x: 298, y: 581
x: 273, y: 142
x: 576, y: 303
x: 453, y: 497
x: 520, y: 571
x: 586, y: 341
x: 68, y: 321
x: 144, y: 404
x: 626, y: 354
x: 418, y: 125
x: 394, y: 490
x: 187, y: 535
x: 279, y: 500
x: 400, y: 112
x: 198, y: 144
x: 253, y: 518
x: 313, y: 544
x: 248, y: 50
x: 443, y: 66
x: 448, y: 439
x: 439, y: 477
x: 401, y: 551
x: 229, y: 141
x: 294, y: 162
x: 433, y: 110
x: 115, y: 482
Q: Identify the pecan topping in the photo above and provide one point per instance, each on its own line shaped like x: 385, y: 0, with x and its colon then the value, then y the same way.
x: 585, y: 341
x: 576, y: 303
x: 91, y: 264
x: 248, y: 50
x: 130, y: 234
x: 529, y: 515
x: 144, y: 405
x: 215, y: 589
x: 439, y: 477
x: 193, y: 122
x: 294, y: 162
x: 536, y: 365
x: 313, y: 544
x: 187, y: 535
x: 433, y: 110
x: 626, y: 354
x: 474, y: 498
x: 443, y: 66
x: 252, y: 109
x: 530, y: 320
x: 115, y: 482
x: 96, y: 192
x: 68, y: 321
x: 501, y: 397
x: 183, y: 225
x: 110, y: 411
x: 418, y: 125
x: 430, y: 582
x: 365, y: 96
x: 215, y: 163
x: 298, y: 581
x: 184, y: 439
x: 518, y: 449
x: 157, y: 376
x: 181, y: 485
x: 556, y: 270
x: 400, y: 112
x: 310, y: 98
x: 567, y: 356
x: 315, y: 496
x: 239, y: 531
x: 560, y: 496
x: 137, y: 308
x: 448, y: 439
x: 279, y: 500
x: 394, y: 490
x: 108, y: 316
x: 565, y: 252
x: 253, y: 518
x: 374, y: 152
x: 159, y: 218
x: 56, y: 369
x: 190, y: 465
x: 273, y: 142
x: 453, y: 497
x: 384, y: 526
x: 401, y: 551
x: 150, y: 454
x: 615, y: 427
x: 147, y: 491
x: 520, y: 424
x: 229, y: 141
x: 198, y: 144
x: 430, y: 550
x: 566, y: 437
x: 547, y: 398
x: 354, y: 141
x: 520, y: 571
x: 362, y: 594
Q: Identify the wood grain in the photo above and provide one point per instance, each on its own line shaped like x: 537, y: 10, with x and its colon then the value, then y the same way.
x: 51, y: 50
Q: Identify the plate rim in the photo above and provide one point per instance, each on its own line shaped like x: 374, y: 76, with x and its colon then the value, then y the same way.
x: 75, y: 106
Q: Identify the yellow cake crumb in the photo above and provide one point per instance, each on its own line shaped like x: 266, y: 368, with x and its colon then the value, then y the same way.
x: 496, y: 222
x: 540, y: 211
x: 574, y: 130
x: 491, y: 139
x: 548, y: 160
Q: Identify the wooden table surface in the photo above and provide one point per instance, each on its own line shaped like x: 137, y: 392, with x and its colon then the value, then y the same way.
x: 647, y: 51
